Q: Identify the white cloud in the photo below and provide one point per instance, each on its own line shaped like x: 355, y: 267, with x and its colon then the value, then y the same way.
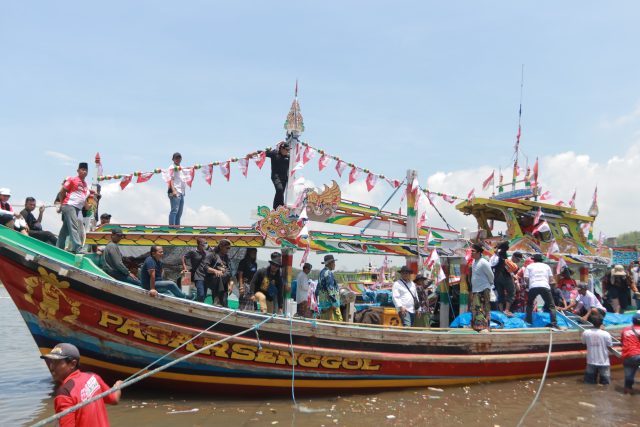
x: 65, y: 159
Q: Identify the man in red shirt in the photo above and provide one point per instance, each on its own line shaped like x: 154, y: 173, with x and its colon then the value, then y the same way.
x: 75, y: 386
x: 630, y: 338
x: 73, y: 195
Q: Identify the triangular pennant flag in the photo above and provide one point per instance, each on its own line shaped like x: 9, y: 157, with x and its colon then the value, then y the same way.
x: 340, y: 167
x: 422, y: 220
x: 243, y: 164
x: 296, y: 168
x: 353, y: 175
x: 471, y: 194
x: 225, y: 169
x: 561, y: 264
x: 260, y: 158
x: 415, y: 185
x: 187, y: 175
x: 144, y: 177
x: 371, y: 181
x: 207, y: 171
x: 536, y: 219
x: 560, y: 203
x: 432, y: 259
x: 545, y: 196
x: 393, y: 182
x: 167, y: 174
x: 126, y: 180
x: 489, y: 180
x: 448, y: 198
x: 308, y: 154
x: 323, y: 161
x: 542, y: 227
x: 427, y: 239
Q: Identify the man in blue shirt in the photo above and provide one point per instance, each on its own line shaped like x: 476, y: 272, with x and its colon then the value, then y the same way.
x: 328, y: 292
x: 152, y: 273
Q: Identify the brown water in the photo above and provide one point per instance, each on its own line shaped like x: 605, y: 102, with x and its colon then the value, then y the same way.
x: 25, y: 387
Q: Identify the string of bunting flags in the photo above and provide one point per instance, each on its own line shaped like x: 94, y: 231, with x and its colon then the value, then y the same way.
x: 304, y: 154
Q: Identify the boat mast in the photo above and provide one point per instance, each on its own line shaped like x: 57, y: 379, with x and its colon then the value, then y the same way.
x: 517, y: 146
x: 294, y: 126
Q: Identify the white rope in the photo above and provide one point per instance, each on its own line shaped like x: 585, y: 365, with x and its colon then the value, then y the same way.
x: 544, y: 376
x: 148, y: 374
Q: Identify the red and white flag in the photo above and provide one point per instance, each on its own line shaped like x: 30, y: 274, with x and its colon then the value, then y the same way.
x: 353, y: 175
x: 427, y: 239
x: 572, y: 201
x: 371, y: 181
x: 536, y: 219
x: 535, y: 173
x: 545, y: 196
x: 296, y: 168
x: 432, y: 259
x: 471, y: 194
x: 393, y: 182
x: 422, y: 220
x: 448, y: 199
x: 487, y: 182
x: 585, y: 228
x: 243, y: 164
x: 225, y: 170
x: 467, y: 256
x: 260, y: 159
x: 305, y: 255
x: 415, y: 185
x: 126, y: 180
x: 99, y: 165
x: 559, y: 203
x: 207, y: 171
x: 340, y: 167
x: 541, y: 227
x: 308, y: 154
x: 187, y: 175
x: 323, y: 161
x: 167, y: 174
x: 144, y: 177
x: 553, y: 249
x: 561, y: 264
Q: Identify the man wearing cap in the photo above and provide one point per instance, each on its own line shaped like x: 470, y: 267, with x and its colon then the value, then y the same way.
x: 112, y: 260
x: 279, y: 171
x: 587, y: 304
x: 73, y: 194
x: 220, y: 268
x: 481, y: 283
x: 267, y: 286
x: 328, y: 292
x: 630, y: 339
x: 538, y: 276
x: 105, y: 219
x: 405, y: 297
x: 75, y: 386
x: 8, y: 217
x: 176, y: 191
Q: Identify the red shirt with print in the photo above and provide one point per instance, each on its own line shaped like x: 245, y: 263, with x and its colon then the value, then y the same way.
x: 79, y: 387
x: 630, y: 340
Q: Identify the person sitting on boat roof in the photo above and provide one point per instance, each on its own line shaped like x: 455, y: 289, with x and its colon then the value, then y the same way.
x: 112, y: 260
x: 75, y: 386
x: 247, y: 268
x: 328, y: 292
x: 630, y: 339
x: 73, y: 196
x: 587, y: 304
x: 405, y: 297
x: 195, y: 258
x: 538, y: 277
x: 35, y: 224
x: 279, y: 171
x: 481, y: 283
x: 105, y: 219
x: 176, y: 191
x: 8, y: 217
x: 598, y: 342
x: 153, y: 272
x: 302, y: 290
x: 267, y: 286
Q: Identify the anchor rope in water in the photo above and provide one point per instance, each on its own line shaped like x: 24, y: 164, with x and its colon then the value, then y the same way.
x: 544, y: 376
x: 179, y: 347
x: 148, y: 374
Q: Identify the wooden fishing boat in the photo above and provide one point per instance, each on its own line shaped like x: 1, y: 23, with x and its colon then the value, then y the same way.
x: 120, y: 329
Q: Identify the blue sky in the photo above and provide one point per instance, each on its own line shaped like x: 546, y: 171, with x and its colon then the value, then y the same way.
x: 386, y: 85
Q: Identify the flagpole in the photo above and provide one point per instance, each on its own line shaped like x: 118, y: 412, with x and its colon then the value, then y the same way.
x: 517, y: 147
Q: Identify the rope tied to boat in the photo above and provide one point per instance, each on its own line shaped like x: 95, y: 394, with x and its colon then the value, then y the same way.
x: 148, y: 374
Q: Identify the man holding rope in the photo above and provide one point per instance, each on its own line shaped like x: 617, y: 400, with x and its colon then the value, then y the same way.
x: 75, y: 386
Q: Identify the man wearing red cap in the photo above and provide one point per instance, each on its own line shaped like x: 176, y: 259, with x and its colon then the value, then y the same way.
x: 75, y: 387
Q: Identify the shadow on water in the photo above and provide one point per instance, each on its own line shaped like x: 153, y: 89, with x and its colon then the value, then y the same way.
x: 25, y: 396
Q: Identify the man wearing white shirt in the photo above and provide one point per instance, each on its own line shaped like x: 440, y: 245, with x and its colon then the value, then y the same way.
x: 539, y: 277
x: 481, y: 283
x: 405, y: 297
x: 598, y: 342
x: 177, y: 189
x: 587, y: 304
x: 302, y: 290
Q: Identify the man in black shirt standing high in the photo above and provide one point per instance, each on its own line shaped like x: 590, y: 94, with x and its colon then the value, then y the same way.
x: 279, y: 171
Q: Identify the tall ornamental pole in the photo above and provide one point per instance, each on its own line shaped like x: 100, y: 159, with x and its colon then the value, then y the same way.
x: 294, y: 126
x: 412, y: 218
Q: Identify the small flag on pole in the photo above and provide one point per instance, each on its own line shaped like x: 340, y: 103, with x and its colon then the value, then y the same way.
x: 487, y: 182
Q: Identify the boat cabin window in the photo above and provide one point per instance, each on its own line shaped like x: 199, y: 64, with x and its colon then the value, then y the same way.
x: 565, y: 230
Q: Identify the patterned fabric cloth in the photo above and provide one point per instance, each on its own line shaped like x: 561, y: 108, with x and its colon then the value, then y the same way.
x: 328, y: 292
x: 481, y: 309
